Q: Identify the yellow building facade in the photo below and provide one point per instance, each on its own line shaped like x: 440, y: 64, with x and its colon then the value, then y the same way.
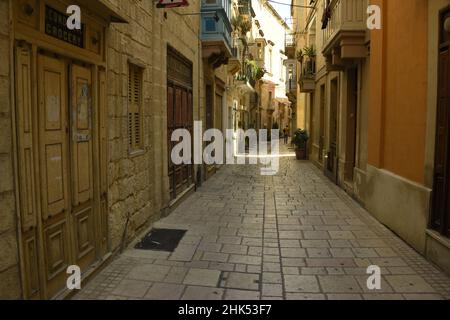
x: 333, y: 68
x: 407, y: 140
x: 371, y: 102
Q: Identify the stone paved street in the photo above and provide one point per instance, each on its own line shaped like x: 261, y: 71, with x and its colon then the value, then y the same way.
x: 291, y: 236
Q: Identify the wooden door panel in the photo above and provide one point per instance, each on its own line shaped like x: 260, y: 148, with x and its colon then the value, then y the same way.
x: 82, y: 180
x: 54, y: 85
x: 84, y: 237
x: 170, y: 127
x: 179, y: 116
x: 444, y: 105
x: 332, y: 160
x: 439, y: 203
x: 25, y: 140
x: 27, y: 186
x: 440, y: 213
x: 178, y: 108
x: 31, y: 265
x: 218, y: 112
x: 57, y: 256
x: 53, y: 144
x: 54, y: 168
x: 82, y: 166
x: 53, y: 155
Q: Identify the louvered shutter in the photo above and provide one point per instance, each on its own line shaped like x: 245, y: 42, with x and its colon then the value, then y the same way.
x: 134, y: 108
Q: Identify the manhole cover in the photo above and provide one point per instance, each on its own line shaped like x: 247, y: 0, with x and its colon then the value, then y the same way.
x: 161, y: 240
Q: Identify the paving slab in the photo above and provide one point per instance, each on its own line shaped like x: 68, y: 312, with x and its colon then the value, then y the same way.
x: 294, y: 235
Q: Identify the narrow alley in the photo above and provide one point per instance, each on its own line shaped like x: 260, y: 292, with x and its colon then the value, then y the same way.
x: 291, y: 236
x: 117, y: 117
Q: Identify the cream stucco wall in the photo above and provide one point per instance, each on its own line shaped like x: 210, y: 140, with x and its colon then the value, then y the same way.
x: 395, y: 190
x: 275, y: 32
x: 309, y: 29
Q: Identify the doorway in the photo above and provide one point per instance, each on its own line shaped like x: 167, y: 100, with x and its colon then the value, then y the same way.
x: 322, y: 123
x: 210, y: 122
x: 312, y: 123
x: 332, y: 161
x: 62, y: 217
x: 179, y: 116
x: 351, y: 119
x: 440, y: 215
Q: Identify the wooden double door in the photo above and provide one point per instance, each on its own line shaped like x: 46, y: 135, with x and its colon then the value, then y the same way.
x: 440, y: 215
x: 63, y: 215
x: 179, y: 116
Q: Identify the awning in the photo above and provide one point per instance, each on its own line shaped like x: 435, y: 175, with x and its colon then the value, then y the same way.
x: 101, y: 7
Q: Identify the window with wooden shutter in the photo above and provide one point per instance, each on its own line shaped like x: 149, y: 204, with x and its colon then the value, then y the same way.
x: 135, y: 108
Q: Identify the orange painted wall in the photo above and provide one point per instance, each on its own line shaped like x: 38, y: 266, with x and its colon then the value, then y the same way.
x: 398, y: 98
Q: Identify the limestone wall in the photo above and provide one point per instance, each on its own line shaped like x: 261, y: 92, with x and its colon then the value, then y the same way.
x: 138, y: 183
x: 9, y: 256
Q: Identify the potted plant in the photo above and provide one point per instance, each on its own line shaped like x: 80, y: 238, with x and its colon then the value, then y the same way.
x: 308, y: 51
x: 300, y: 140
x: 300, y: 55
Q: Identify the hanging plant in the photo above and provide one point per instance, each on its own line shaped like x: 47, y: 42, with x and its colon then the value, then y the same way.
x: 260, y: 72
x: 254, y: 70
x: 300, y: 55
x: 236, y: 22
x: 309, y: 51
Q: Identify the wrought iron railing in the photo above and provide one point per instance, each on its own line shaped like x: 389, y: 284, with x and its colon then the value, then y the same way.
x: 289, y: 40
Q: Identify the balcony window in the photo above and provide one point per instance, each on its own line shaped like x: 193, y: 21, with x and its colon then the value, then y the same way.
x: 225, y: 5
x: 270, y: 60
x: 245, y: 7
x: 210, y: 25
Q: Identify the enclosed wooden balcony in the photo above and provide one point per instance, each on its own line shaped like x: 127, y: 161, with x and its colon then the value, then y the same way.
x: 234, y: 63
x: 289, y: 45
x: 216, y: 31
x: 307, y: 79
x: 345, y: 35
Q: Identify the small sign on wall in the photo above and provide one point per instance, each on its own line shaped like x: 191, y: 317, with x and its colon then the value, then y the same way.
x: 172, y: 3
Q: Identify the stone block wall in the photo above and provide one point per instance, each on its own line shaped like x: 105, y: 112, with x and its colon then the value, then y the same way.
x: 129, y: 178
x: 138, y: 184
x: 10, y: 287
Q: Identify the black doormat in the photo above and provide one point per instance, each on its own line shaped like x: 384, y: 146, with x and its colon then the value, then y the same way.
x: 161, y: 240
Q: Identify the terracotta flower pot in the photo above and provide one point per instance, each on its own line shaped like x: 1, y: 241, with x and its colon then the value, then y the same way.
x: 300, y: 153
